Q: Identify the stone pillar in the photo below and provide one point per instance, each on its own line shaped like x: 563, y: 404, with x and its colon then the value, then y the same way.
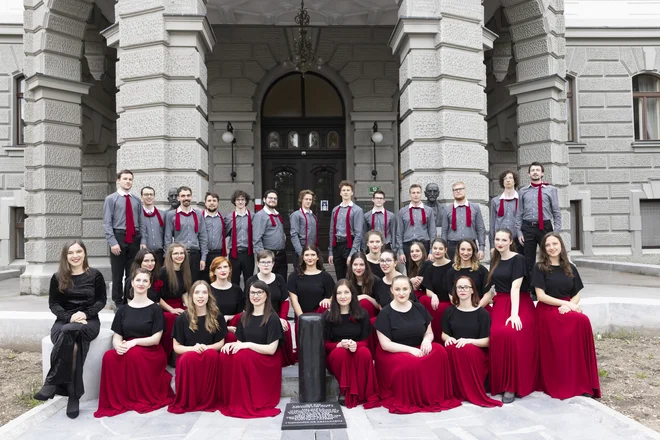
x: 442, y: 104
x: 54, y: 32
x: 162, y: 101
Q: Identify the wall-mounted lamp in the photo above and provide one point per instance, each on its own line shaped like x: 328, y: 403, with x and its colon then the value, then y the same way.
x: 376, y: 138
x: 228, y: 138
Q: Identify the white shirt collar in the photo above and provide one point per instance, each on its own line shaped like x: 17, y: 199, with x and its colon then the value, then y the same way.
x: 348, y: 204
x: 306, y: 211
x: 269, y: 212
x: 374, y: 210
x: 421, y: 205
x: 181, y: 210
x: 515, y: 195
x: 238, y: 214
x: 467, y: 203
x: 206, y: 214
x: 122, y: 192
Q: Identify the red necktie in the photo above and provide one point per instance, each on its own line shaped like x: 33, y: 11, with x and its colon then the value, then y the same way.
x: 540, y: 201
x: 130, y: 222
x: 222, y: 233
x: 373, y: 218
x: 412, y: 219
x: 349, y: 237
x: 500, y: 211
x: 177, y: 220
x: 234, y: 240
x: 468, y: 216
x: 157, y: 214
x: 273, y: 217
x: 306, y: 227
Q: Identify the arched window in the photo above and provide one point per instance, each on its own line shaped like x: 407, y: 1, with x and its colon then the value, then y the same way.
x: 297, y: 96
x: 646, y: 107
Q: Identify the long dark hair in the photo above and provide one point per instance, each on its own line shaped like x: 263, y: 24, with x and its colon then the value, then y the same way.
x: 64, y: 280
x: 355, y: 312
x: 474, y: 299
x: 302, y: 265
x: 367, y: 277
x: 497, y: 257
x: 249, y: 307
x: 137, y: 264
x: 172, y: 281
x: 544, y: 258
x: 414, y: 266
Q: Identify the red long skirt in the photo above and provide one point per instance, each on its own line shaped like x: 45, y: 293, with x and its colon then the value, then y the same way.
x: 566, y: 344
x: 355, y: 374
x: 514, y: 355
x: 436, y: 322
x: 370, y: 308
x: 233, y: 322
x: 134, y: 381
x: 251, y: 384
x: 469, y: 366
x: 196, y: 382
x: 409, y: 384
x: 166, y: 340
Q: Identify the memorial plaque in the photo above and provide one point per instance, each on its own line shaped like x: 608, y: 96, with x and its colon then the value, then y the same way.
x: 327, y: 415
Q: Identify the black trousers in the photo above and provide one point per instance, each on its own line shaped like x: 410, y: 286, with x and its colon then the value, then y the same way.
x: 194, y: 257
x: 120, y: 265
x: 451, y: 249
x: 406, y: 251
x: 533, y: 236
x: 160, y: 256
x: 212, y: 255
x: 65, y: 335
x: 296, y: 260
x: 280, y: 265
x: 243, y: 264
x: 340, y: 256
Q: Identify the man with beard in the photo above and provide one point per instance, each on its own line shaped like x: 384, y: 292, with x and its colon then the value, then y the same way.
x: 414, y: 222
x: 268, y: 233
x: 154, y: 223
x: 381, y: 220
x: 215, y: 232
x: 185, y: 225
x: 461, y: 220
x: 239, y: 227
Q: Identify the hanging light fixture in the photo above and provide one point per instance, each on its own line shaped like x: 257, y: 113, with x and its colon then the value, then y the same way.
x: 228, y: 137
x: 303, y: 58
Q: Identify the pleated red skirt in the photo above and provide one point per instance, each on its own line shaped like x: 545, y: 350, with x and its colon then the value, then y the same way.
x: 409, y: 384
x: 436, y: 322
x: 469, y: 366
x: 355, y: 374
x: 166, y: 340
x: 135, y: 381
x: 251, y: 384
x: 196, y: 382
x: 566, y: 344
x: 514, y: 355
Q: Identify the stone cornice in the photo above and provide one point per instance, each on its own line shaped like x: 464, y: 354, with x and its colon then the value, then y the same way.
x: 224, y: 117
x: 425, y: 27
x: 188, y: 23
x: 489, y: 38
x: 552, y: 84
x: 111, y: 35
x: 608, y: 36
x: 40, y: 80
x: 373, y: 116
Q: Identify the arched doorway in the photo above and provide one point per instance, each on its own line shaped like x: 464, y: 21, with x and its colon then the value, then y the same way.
x: 304, y: 145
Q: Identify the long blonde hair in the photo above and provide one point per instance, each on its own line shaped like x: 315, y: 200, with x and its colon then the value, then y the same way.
x: 212, y: 310
x: 172, y: 281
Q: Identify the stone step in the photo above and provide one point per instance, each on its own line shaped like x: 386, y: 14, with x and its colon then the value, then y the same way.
x: 290, y: 383
x: 11, y: 273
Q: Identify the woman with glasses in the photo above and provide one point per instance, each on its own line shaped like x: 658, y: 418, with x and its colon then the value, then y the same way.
x: 251, y: 367
x: 465, y: 332
x: 279, y: 298
x: 374, y: 241
x: 388, y: 264
x: 466, y: 263
x: 365, y: 283
x: 513, y: 345
x: 436, y: 286
x: 417, y: 266
x: 228, y: 297
x: 413, y: 371
x: 146, y: 259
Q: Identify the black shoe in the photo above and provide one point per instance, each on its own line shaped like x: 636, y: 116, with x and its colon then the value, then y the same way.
x: 46, y: 392
x: 72, y: 408
x: 342, y: 400
x: 508, y: 397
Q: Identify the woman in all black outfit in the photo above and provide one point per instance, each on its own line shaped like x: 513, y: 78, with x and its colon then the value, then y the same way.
x: 229, y: 298
x: 436, y: 287
x: 145, y: 259
x: 365, y: 283
x: 466, y: 263
x: 310, y: 286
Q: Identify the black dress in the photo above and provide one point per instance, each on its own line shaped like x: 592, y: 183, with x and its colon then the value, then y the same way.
x: 407, y: 328
x: 151, y: 293
x: 556, y: 283
x: 423, y: 268
x: 189, y: 338
x: 376, y: 270
x: 165, y: 292
x: 435, y: 280
x: 472, y: 325
x: 279, y: 292
x: 133, y: 322
x: 507, y: 271
x: 230, y: 301
x: 87, y: 295
x: 311, y: 289
x: 479, y: 276
x: 356, y: 330
x: 384, y: 296
x: 254, y: 332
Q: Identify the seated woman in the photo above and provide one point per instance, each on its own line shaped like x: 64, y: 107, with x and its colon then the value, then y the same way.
x: 417, y: 266
x: 251, y: 367
x: 133, y: 374
x: 146, y: 259
x: 346, y: 331
x: 76, y: 296
x: 374, y: 241
x: 465, y: 330
x: 176, y: 280
x: 388, y: 263
x: 364, y: 281
x: 413, y: 372
x: 466, y: 263
x: 310, y: 286
x: 228, y: 297
x: 198, y: 335
x: 436, y: 286
x: 565, y: 338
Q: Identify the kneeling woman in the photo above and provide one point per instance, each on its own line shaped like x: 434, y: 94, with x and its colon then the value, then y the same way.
x: 198, y: 334
x: 413, y: 372
x: 566, y: 340
x: 133, y: 375
x: 465, y: 332
x: 347, y: 328
x: 252, y: 367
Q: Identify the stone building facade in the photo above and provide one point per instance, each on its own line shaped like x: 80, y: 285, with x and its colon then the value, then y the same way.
x: 460, y: 90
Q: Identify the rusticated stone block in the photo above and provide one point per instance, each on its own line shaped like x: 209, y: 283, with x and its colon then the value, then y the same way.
x: 64, y: 25
x: 593, y: 68
x: 644, y: 175
x: 628, y: 60
x: 11, y: 165
x: 577, y: 177
x: 373, y: 69
x: 253, y: 71
x: 605, y: 84
x: 593, y: 130
x: 528, y: 30
x: 374, y: 104
x: 603, y: 53
x: 611, y: 207
x: 587, y: 161
x: 459, y: 33
x: 149, y: 155
x: 602, y: 223
x: 52, y: 179
x: 53, y: 155
x: 53, y: 227
x: 342, y: 55
x: 606, y: 115
x: 352, y: 71
x: 42, y: 251
x: 14, y: 181
x: 591, y: 100
x: 544, y: 153
x: 59, y: 65
x: 222, y: 173
x: 419, y: 8
x: 620, y: 130
x: 95, y: 191
x: 460, y: 63
x: 622, y: 99
x: 92, y: 210
x: 603, y: 176
x: 47, y: 203
x: 598, y: 191
x: 444, y: 155
x: 90, y: 174
x: 53, y: 42
x: 385, y: 172
x: 608, y: 145
x: 620, y: 222
x: 92, y: 228
x: 623, y: 191
x: 611, y: 239
x: 364, y: 154
x: 362, y: 87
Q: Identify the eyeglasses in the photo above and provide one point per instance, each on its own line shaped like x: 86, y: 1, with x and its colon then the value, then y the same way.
x: 257, y: 294
x: 388, y: 261
x: 459, y: 189
x: 463, y: 288
x: 266, y: 263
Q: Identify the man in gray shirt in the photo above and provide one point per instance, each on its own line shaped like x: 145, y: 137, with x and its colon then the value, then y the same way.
x: 462, y: 220
x: 239, y: 229
x: 123, y: 228
x: 154, y: 223
x: 539, y: 204
x: 415, y: 222
x: 304, y: 226
x: 185, y: 225
x: 381, y: 220
x: 215, y: 231
x: 346, y: 223
x: 268, y: 233
x: 503, y: 209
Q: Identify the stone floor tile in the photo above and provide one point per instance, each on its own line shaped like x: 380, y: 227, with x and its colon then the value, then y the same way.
x: 407, y: 432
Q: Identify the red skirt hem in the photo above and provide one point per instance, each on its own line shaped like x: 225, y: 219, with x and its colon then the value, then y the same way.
x: 196, y: 382
x: 356, y: 376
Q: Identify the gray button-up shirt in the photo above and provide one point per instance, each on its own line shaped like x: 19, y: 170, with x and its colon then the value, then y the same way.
x: 242, y: 226
x: 153, y: 231
x: 215, y: 230
x: 186, y: 235
x: 264, y: 234
x: 297, y: 222
x: 357, y: 223
x: 379, y: 224
x: 114, y: 215
x: 476, y: 232
x: 529, y: 206
x: 508, y: 220
x: 406, y: 232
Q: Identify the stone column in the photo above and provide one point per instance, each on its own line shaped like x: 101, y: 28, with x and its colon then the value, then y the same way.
x: 442, y: 104
x: 162, y: 101
x: 54, y: 32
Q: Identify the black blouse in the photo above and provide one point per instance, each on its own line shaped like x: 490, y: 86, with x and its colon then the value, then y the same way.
x: 404, y: 328
x: 184, y: 336
x: 376, y: 270
x: 472, y: 325
x: 556, y: 283
x: 384, y: 296
x: 357, y: 330
x: 230, y: 301
x: 165, y: 291
x: 87, y: 295
x: 311, y: 289
x: 479, y: 276
x: 435, y: 280
x: 258, y: 334
x: 279, y: 292
x: 507, y: 271
x: 131, y: 322
x: 423, y: 268
x: 151, y: 293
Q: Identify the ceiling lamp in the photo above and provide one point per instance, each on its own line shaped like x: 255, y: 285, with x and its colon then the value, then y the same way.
x: 303, y: 58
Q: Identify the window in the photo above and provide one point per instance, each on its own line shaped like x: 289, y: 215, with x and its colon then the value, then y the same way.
x: 273, y: 140
x: 570, y: 109
x: 18, y: 220
x: 646, y: 107
x: 576, y: 225
x: 650, y: 211
x: 20, y: 111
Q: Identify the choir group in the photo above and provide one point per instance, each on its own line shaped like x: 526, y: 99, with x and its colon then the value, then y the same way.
x: 447, y: 331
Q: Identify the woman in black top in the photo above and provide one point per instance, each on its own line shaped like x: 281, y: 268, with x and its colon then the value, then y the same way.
x: 436, y: 287
x: 417, y: 265
x: 310, y: 286
x: 133, y: 374
x: 365, y: 283
x: 198, y: 335
x: 466, y: 263
x: 251, y: 367
x: 146, y: 259
x: 566, y: 340
x: 374, y: 241
x: 76, y: 296
x: 388, y: 264
x: 229, y: 298
x: 514, y: 354
x: 413, y: 372
x: 466, y: 330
